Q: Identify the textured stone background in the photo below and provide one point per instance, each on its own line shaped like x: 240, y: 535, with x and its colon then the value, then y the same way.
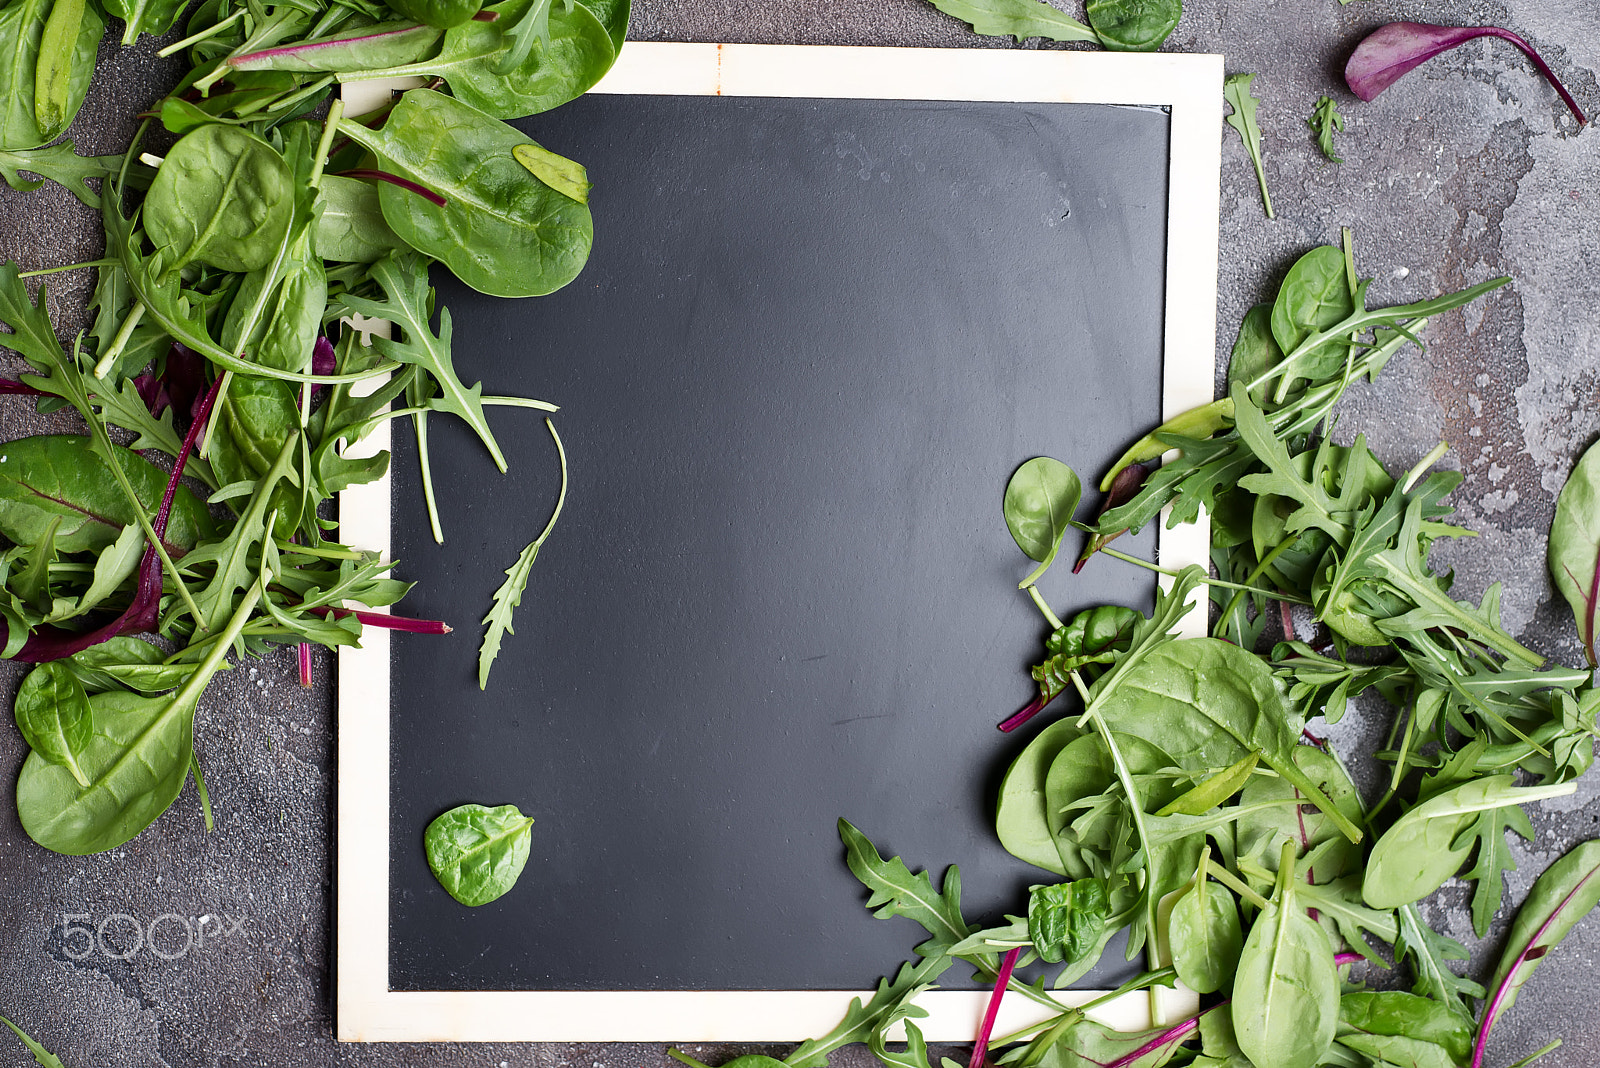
x: 1468, y: 169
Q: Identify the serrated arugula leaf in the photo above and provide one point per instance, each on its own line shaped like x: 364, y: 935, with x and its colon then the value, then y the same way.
x: 1428, y: 951
x: 1492, y: 860
x: 895, y: 891
x: 41, y: 1056
x: 1339, y: 903
x: 1021, y: 19
x: 404, y: 278
x: 1236, y: 91
x: 1326, y: 121
x: 861, y: 1023
x: 59, y: 164
x: 509, y: 595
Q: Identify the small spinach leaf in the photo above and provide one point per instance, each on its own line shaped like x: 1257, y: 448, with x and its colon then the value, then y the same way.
x: 477, y: 853
x: 1039, y: 502
x: 1134, y: 25
x: 1575, y: 546
x: 222, y: 197
x: 1066, y: 920
x: 53, y: 714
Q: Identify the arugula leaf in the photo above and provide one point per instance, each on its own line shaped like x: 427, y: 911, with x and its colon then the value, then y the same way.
x: 41, y: 1056
x: 56, y: 163
x: 509, y: 596
x: 892, y: 1001
x: 1326, y: 121
x: 1236, y: 91
x: 1021, y: 19
x: 1493, y: 858
x: 895, y: 891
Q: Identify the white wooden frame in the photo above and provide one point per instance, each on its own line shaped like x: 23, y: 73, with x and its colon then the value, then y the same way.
x: 367, y: 1010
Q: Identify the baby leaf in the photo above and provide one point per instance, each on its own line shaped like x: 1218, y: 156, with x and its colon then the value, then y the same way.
x: 1020, y: 820
x: 895, y: 891
x: 1205, y: 935
x: 1199, y: 422
x: 1425, y: 847
x: 1133, y: 25
x: 1314, y: 296
x: 60, y: 62
x: 350, y: 226
x: 500, y: 231
x: 1209, y: 793
x: 222, y: 197
x: 1039, y: 502
x: 557, y: 172
x: 1286, y: 994
x: 1065, y: 920
x: 1562, y: 896
x: 1493, y: 858
x: 1386, y: 1013
x: 384, y: 45
x: 53, y: 714
x: 1254, y: 351
x: 59, y: 164
x: 1021, y: 19
x: 477, y: 853
x: 1325, y: 120
x: 470, y: 60
x: 1429, y: 951
x: 136, y: 762
x: 437, y: 12
x: 1391, y: 51
x: 1236, y: 91
x: 1575, y: 546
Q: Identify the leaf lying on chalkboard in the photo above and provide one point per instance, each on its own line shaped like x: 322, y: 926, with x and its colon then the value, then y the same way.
x: 509, y: 595
x: 477, y: 853
x: 1021, y: 19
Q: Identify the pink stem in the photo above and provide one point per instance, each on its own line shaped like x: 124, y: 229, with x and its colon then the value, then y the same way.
x: 1007, y: 964
x: 1544, y: 68
x: 1033, y: 708
x: 10, y: 385
x: 305, y: 665
x: 1341, y: 959
x: 385, y: 621
x: 1165, y: 1038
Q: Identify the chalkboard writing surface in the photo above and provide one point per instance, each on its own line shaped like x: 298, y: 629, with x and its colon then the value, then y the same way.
x: 813, y: 340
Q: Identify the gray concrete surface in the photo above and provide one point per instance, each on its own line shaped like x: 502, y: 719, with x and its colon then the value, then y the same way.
x: 1467, y: 169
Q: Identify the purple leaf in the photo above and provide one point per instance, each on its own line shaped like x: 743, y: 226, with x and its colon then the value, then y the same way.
x: 1390, y: 51
x: 11, y: 385
x: 1124, y: 488
x: 324, y: 361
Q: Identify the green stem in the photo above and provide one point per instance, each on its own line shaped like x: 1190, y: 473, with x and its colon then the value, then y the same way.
x: 330, y: 127
x: 203, y: 35
x: 1249, y: 584
x: 1237, y: 885
x: 521, y: 402
x: 1276, y: 595
x: 120, y: 340
x: 42, y: 271
x: 1050, y: 617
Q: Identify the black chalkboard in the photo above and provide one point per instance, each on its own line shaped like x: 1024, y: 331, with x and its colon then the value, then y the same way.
x: 814, y: 339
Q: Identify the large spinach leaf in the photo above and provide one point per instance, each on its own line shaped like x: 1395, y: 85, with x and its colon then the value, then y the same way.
x: 222, y: 197
x: 1575, y: 546
x: 56, y: 477
x: 501, y: 230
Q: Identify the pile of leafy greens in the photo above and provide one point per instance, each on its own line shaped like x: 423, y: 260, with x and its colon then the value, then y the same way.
x: 221, y: 349
x: 1181, y: 799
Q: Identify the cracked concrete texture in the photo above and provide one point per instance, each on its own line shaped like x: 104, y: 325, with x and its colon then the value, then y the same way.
x: 1467, y: 169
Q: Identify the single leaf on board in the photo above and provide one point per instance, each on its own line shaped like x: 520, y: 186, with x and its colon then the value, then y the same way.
x: 476, y: 852
x: 1039, y: 501
x: 509, y: 596
x: 558, y: 172
x: 895, y: 891
x: 52, y: 711
x: 1575, y: 546
x: 1236, y: 91
x: 1021, y: 822
x: 1021, y: 19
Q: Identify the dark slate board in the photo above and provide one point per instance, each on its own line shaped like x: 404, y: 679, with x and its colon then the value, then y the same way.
x: 813, y: 341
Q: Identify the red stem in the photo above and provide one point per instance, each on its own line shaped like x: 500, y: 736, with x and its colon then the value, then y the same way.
x: 305, y: 665
x: 394, y: 179
x: 384, y: 621
x: 1165, y: 1038
x: 1033, y: 708
x: 1007, y: 964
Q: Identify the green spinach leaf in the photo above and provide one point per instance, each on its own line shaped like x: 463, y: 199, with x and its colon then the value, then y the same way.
x: 1575, y: 546
x: 1021, y: 19
x: 477, y: 853
x: 1040, y: 499
x: 52, y: 711
x: 222, y: 197
x: 1134, y: 25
